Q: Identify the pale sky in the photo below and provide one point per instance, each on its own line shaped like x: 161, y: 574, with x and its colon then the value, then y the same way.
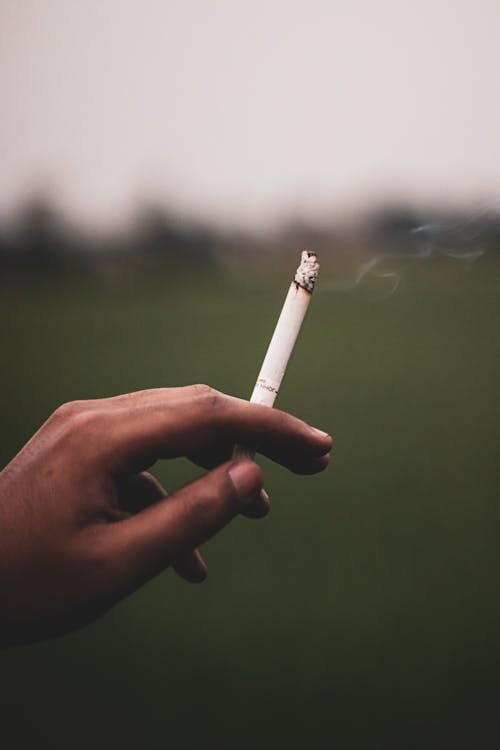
x: 244, y: 111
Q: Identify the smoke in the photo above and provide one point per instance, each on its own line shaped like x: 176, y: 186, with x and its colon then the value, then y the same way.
x: 465, y: 240
x: 379, y: 277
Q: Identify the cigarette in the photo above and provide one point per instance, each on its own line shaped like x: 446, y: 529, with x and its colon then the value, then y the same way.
x: 284, y: 337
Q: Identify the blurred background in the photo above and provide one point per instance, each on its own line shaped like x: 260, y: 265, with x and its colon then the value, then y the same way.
x: 161, y: 167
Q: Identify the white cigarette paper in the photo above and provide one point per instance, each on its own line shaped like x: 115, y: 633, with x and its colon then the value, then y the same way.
x: 284, y: 337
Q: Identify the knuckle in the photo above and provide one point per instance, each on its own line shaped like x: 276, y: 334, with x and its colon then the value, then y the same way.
x: 86, y: 422
x: 69, y: 409
x: 207, y: 395
x: 81, y: 430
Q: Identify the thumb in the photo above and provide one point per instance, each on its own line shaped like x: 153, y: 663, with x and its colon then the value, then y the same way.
x: 141, y: 546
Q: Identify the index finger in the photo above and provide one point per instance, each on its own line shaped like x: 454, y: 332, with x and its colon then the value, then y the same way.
x: 173, y: 422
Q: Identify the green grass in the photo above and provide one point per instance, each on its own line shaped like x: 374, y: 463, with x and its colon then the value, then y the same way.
x: 364, y: 612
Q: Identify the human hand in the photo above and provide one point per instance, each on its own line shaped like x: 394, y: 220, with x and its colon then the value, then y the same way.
x: 82, y: 522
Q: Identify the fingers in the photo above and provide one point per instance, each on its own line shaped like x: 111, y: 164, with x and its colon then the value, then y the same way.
x: 139, y: 547
x: 214, y: 455
x: 139, y: 491
x: 198, y: 421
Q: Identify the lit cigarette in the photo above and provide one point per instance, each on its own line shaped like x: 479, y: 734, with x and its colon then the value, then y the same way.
x: 284, y: 337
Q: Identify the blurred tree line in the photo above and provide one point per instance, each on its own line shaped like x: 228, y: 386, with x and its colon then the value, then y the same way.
x: 39, y: 240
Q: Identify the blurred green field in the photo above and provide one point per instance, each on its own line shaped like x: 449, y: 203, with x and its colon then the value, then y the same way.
x: 365, y: 610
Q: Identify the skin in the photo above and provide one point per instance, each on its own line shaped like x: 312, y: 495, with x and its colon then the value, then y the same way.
x: 83, y: 522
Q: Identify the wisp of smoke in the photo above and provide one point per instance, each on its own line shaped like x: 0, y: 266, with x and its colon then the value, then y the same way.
x: 463, y: 241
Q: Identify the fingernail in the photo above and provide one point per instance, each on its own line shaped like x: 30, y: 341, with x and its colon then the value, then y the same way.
x: 264, y: 496
x: 320, y: 432
x: 247, y: 480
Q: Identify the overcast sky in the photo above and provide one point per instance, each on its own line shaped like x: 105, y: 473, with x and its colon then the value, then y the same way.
x: 243, y: 111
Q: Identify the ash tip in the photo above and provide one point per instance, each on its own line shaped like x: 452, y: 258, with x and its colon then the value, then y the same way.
x: 308, y: 270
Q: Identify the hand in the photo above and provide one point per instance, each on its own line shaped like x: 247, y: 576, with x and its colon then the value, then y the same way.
x: 83, y: 524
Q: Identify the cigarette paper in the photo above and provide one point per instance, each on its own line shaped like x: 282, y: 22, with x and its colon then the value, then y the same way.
x: 284, y: 337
